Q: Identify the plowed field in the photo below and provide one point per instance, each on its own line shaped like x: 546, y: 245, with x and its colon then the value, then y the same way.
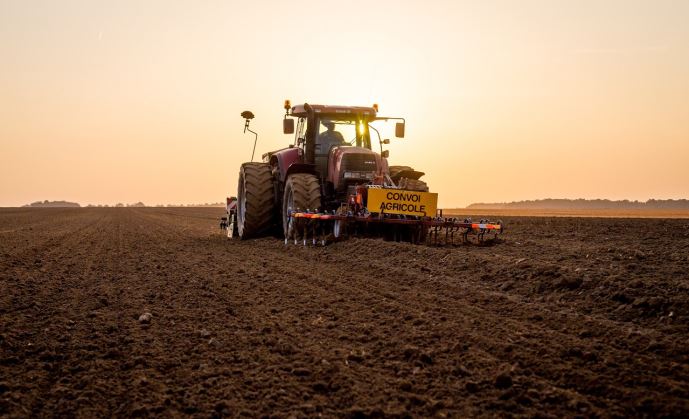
x: 567, y: 317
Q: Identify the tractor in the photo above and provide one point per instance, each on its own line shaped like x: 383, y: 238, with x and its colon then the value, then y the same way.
x: 331, y: 183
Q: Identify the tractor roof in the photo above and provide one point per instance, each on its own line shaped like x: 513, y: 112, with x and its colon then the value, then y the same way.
x: 298, y: 110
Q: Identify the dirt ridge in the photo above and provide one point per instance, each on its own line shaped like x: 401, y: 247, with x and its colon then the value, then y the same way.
x: 567, y: 317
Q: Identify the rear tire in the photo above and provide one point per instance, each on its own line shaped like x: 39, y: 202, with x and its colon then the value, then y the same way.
x: 302, y: 192
x: 255, y: 200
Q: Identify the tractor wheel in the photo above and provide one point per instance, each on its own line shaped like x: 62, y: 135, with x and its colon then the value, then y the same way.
x: 302, y: 192
x: 255, y: 200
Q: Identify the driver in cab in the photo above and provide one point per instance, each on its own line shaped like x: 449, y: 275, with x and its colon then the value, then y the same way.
x: 329, y: 138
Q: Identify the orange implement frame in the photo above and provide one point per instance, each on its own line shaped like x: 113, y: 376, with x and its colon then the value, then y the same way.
x: 431, y: 230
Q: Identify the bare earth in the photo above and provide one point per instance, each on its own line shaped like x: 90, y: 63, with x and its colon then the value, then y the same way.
x: 567, y: 317
x: 597, y: 213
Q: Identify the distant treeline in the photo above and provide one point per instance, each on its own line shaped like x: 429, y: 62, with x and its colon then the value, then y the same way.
x: 589, y: 204
x: 118, y: 205
x: 66, y: 204
x: 53, y: 204
x: 141, y: 204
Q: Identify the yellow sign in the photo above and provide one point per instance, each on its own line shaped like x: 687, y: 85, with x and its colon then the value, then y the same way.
x: 397, y: 201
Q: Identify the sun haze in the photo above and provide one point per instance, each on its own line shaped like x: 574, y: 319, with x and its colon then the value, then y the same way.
x: 106, y: 102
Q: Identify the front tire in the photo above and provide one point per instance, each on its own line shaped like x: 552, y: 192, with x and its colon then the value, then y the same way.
x: 302, y: 193
x: 255, y: 200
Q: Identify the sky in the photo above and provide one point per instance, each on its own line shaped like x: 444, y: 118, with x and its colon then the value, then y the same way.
x: 126, y: 101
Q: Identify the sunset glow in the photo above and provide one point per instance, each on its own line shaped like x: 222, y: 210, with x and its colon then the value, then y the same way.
x: 106, y: 102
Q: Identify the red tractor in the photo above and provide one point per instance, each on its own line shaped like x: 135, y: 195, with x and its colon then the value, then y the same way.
x: 330, y: 182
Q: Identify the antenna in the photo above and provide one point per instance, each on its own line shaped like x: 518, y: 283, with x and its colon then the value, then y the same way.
x: 248, y: 116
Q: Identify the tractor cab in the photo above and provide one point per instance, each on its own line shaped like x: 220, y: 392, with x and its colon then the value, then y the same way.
x: 336, y: 140
x: 335, y: 136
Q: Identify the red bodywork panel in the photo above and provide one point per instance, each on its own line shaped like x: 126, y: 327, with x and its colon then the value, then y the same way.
x: 287, y: 157
x: 335, y: 161
x: 283, y: 159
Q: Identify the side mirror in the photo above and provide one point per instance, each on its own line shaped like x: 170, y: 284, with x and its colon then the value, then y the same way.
x: 385, y: 154
x: 288, y: 126
x: 386, y: 141
x: 399, y: 130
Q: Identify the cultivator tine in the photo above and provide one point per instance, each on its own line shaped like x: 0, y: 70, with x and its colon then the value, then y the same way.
x: 317, y: 227
x: 442, y: 231
x: 313, y: 233
x: 320, y: 227
x: 481, y: 232
x: 307, y: 226
x: 435, y: 232
x: 296, y: 221
x: 455, y: 230
x: 304, y: 231
x: 450, y: 233
x: 315, y: 223
x: 290, y: 228
x: 324, y: 231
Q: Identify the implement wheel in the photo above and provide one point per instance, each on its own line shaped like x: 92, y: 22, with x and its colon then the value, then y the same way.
x: 255, y: 200
x: 302, y: 192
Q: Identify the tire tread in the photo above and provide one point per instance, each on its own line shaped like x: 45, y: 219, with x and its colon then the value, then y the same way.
x: 259, y: 214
